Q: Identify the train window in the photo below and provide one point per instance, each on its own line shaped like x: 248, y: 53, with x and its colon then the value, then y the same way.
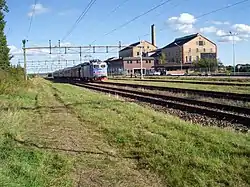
x: 103, y: 66
x: 96, y: 66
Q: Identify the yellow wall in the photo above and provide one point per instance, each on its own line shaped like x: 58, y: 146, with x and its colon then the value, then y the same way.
x: 135, y: 51
x: 189, y: 49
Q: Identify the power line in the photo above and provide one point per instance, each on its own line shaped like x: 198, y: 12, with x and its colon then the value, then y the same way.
x: 79, y: 19
x: 135, y: 18
x: 211, y: 12
x: 117, y: 7
x: 111, y: 12
x: 31, y: 18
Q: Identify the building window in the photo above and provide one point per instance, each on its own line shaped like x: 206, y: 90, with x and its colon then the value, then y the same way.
x: 204, y: 50
x: 149, y: 61
x: 197, y: 43
x: 201, y: 43
x: 186, y: 58
x: 197, y: 50
x: 190, y: 58
x: 190, y: 49
x: 197, y: 58
x: 211, y: 50
x: 148, y: 47
x: 138, y: 53
x: 128, y: 62
x: 137, y: 61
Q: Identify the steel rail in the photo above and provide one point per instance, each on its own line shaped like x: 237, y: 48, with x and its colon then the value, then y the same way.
x: 214, y: 94
x: 151, y: 98
x: 192, y: 82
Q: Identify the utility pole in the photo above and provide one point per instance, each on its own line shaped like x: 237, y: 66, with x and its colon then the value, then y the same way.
x: 233, y: 52
x: 233, y: 43
x: 141, y: 60
x: 24, y: 60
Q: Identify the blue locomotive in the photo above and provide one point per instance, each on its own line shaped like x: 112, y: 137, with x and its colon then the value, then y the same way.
x: 94, y: 70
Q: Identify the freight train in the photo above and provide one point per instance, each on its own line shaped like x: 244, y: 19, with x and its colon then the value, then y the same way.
x: 94, y: 70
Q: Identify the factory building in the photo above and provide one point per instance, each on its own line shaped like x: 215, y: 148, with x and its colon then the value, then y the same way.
x: 130, y: 65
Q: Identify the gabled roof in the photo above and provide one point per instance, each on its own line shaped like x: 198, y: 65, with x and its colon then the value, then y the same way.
x: 156, y: 53
x: 134, y: 45
x: 181, y: 41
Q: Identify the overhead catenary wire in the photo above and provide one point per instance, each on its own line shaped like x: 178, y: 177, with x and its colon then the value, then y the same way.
x: 31, y: 18
x: 79, y: 19
x: 210, y: 12
x: 135, y: 18
x: 111, y: 12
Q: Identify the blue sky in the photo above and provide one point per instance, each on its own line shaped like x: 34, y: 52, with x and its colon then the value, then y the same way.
x: 53, y: 18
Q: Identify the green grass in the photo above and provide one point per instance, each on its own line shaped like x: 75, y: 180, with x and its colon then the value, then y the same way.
x: 139, y: 146
x: 233, y: 89
x: 25, y: 166
x: 22, y: 164
x: 182, y: 154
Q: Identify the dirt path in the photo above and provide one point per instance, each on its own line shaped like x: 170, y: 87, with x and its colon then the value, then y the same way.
x: 96, y: 163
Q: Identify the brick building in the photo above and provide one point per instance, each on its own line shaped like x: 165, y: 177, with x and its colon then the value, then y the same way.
x: 130, y: 65
x: 133, y: 50
x: 190, y: 48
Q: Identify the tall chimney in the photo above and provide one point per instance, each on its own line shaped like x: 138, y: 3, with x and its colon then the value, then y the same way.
x: 153, y: 35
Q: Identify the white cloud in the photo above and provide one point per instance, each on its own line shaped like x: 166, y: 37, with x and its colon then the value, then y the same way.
x: 14, y: 50
x: 184, y: 23
x: 242, y: 28
x: 210, y: 29
x: 66, y: 44
x: 230, y: 38
x: 221, y: 33
x: 220, y: 22
x: 37, y: 9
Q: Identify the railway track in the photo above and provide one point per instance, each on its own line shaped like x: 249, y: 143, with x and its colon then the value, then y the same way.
x: 194, y: 82
x: 232, y: 114
x: 214, y: 94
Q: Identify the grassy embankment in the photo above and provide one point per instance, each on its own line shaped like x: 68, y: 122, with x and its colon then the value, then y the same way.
x: 231, y: 89
x: 55, y: 135
x: 21, y: 163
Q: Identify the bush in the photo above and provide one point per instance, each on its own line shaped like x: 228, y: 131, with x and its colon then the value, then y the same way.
x: 11, y: 79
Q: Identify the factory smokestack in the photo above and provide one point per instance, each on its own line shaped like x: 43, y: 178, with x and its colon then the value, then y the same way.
x: 153, y: 35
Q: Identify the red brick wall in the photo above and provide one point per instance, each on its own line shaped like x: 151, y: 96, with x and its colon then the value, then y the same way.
x: 137, y: 64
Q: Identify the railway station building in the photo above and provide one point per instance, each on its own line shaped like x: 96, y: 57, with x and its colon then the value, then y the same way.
x: 182, y: 52
x: 130, y: 65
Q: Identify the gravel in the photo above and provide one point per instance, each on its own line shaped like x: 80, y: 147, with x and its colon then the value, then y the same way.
x: 194, y: 118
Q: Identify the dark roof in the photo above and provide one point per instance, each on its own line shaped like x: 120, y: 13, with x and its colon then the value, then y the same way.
x: 134, y: 45
x: 129, y: 58
x: 181, y: 41
x: 156, y: 53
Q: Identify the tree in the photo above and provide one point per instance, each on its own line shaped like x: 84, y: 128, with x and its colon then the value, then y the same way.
x: 206, y: 63
x: 163, y: 58
x: 4, y: 50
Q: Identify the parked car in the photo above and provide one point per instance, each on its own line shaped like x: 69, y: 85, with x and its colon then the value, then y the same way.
x: 157, y: 73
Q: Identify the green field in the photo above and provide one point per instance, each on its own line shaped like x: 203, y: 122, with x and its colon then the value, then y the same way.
x: 233, y: 89
x: 61, y: 135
